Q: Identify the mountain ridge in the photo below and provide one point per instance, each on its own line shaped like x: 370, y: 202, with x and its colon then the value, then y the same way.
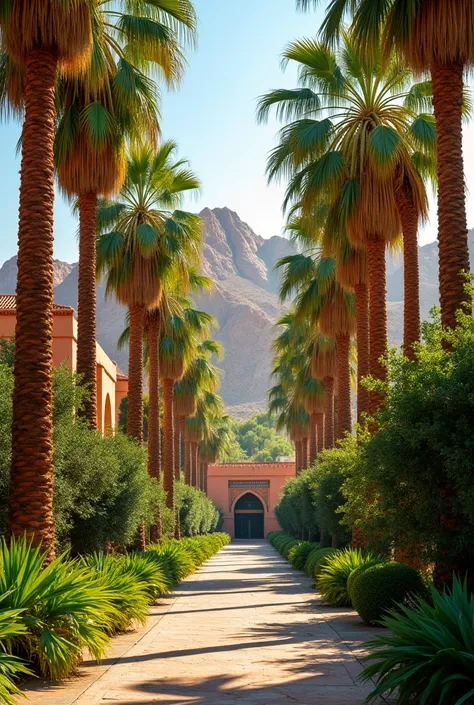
x: 244, y: 300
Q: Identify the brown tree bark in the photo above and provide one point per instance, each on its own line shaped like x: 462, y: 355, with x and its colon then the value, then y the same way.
x: 206, y: 472
x: 362, y: 322
x: 187, y: 463
x: 377, y: 314
x: 201, y: 475
x: 31, y: 476
x: 329, y: 412
x: 182, y: 427
x: 344, y: 416
x: 154, y: 441
x: 86, y: 303
x: 447, y: 81
x: 297, y: 457
x: 411, y: 273
x: 168, y: 444
x: 194, y: 464
x: 177, y: 446
x: 320, y: 432
x: 304, y: 453
x: 313, y: 438
x: 135, y: 373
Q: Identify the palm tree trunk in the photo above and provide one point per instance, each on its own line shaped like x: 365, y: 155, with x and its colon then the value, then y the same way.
x: 154, y: 465
x: 135, y: 373
x: 377, y: 314
x: 201, y: 475
x: 447, y: 80
x: 154, y: 441
x: 344, y: 416
x: 194, y: 465
x: 187, y: 462
x: 304, y: 453
x: 206, y: 473
x: 31, y: 476
x: 297, y: 457
x: 177, y: 446
x: 329, y: 412
x: 313, y: 438
x: 182, y: 426
x: 168, y: 444
x: 362, y: 322
x: 411, y: 275
x: 86, y: 303
x: 320, y: 432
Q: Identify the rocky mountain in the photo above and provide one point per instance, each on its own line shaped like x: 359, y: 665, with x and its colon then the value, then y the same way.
x: 243, y: 300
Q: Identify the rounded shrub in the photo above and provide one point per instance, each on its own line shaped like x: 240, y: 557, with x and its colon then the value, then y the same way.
x: 360, y: 569
x: 335, y: 572
x: 310, y: 561
x: 321, y: 559
x: 298, y: 554
x: 381, y: 587
x: 288, y: 546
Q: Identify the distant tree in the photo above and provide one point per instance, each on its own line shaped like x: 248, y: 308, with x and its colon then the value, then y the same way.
x: 257, y: 439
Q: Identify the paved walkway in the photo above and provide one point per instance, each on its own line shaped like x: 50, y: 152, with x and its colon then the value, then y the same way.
x: 245, y: 630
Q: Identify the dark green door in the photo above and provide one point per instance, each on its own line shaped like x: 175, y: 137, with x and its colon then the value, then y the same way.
x: 249, y: 518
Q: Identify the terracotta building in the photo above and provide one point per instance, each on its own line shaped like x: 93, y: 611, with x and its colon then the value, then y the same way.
x: 246, y: 493
x: 112, y: 385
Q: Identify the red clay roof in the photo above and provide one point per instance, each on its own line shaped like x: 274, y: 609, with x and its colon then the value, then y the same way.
x: 8, y: 305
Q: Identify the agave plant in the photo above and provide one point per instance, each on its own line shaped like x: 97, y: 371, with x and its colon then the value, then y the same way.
x: 11, y: 667
x: 428, y: 655
x: 61, y: 607
x: 332, y: 580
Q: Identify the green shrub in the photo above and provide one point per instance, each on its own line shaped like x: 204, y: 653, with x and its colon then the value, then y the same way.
x: 288, y: 545
x: 334, y: 574
x: 321, y: 559
x: 179, y: 561
x: 360, y: 569
x: 63, y: 608
x: 298, y: 554
x: 377, y: 588
x: 428, y: 655
x: 11, y: 667
x: 311, y: 561
x: 128, y: 594
x: 153, y: 574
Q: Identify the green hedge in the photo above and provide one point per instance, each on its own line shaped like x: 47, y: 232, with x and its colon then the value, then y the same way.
x: 379, y: 587
x: 334, y: 574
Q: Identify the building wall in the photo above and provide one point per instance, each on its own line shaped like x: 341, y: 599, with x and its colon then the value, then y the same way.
x: 227, y: 482
x: 109, y: 390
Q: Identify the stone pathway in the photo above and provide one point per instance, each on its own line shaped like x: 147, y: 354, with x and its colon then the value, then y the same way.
x: 245, y: 630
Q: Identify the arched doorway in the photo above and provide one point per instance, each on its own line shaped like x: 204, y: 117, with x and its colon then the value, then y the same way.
x: 248, y: 517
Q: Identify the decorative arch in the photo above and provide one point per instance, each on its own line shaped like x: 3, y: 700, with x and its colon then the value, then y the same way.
x: 237, y: 493
x: 108, y: 428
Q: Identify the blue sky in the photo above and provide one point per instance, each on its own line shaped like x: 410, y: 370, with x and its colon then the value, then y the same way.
x: 212, y: 117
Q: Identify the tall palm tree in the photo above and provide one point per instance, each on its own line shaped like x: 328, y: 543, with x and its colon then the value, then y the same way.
x: 113, y: 101
x: 324, y: 368
x: 38, y: 39
x: 179, y: 337
x: 148, y: 243
x: 311, y: 392
x: 352, y: 137
x: 435, y: 37
x: 215, y: 445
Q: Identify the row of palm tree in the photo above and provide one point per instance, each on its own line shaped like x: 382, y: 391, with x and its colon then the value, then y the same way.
x: 361, y: 140
x: 83, y: 76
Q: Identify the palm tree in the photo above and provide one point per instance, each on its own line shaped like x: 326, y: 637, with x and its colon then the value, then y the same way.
x: 324, y: 368
x: 38, y: 38
x: 148, y: 243
x: 179, y: 337
x: 112, y: 101
x: 200, y: 376
x: 311, y: 392
x: 435, y: 37
x: 215, y: 445
x: 352, y: 138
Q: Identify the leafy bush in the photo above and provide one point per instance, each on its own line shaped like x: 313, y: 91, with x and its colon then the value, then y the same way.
x: 379, y: 587
x: 298, y: 554
x: 428, y: 655
x: 335, y: 572
x: 128, y: 594
x: 311, y: 560
x: 320, y: 560
x: 360, y: 569
x: 176, y: 557
x: 62, y: 607
x: 11, y: 667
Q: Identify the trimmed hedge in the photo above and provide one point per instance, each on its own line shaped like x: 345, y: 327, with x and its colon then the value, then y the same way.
x: 381, y: 587
x: 360, y: 569
x: 299, y: 554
